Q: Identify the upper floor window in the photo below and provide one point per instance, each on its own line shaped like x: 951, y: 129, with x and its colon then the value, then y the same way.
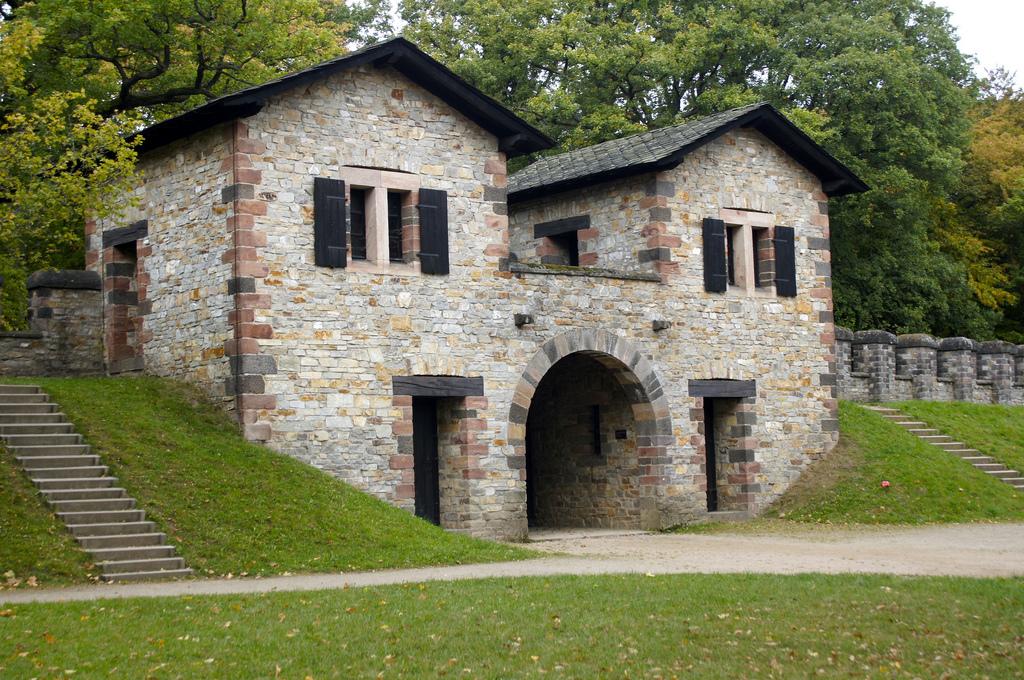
x: 746, y: 252
x: 387, y: 222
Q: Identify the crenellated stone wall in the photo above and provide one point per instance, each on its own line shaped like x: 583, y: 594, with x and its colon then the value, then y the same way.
x: 66, y: 328
x: 879, y: 366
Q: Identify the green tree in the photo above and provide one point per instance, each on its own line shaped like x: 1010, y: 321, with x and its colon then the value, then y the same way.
x: 880, y: 83
x: 58, y: 160
x: 81, y: 75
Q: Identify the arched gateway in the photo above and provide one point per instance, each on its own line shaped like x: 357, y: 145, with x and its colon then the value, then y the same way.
x: 591, y: 422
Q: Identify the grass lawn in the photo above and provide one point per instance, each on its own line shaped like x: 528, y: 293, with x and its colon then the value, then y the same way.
x: 926, y: 484
x: 708, y: 626
x: 231, y: 506
x: 32, y: 541
x: 996, y: 430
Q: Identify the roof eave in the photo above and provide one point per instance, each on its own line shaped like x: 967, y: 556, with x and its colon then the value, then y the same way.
x: 515, y: 136
x: 836, y: 179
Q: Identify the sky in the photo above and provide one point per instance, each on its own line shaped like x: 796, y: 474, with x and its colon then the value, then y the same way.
x: 991, y: 31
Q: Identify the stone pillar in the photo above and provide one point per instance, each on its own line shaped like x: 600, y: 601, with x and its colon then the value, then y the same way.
x: 958, y: 363
x: 996, y: 364
x: 844, y: 360
x: 1019, y: 363
x: 874, y: 353
x: 66, y: 307
x: 917, y: 357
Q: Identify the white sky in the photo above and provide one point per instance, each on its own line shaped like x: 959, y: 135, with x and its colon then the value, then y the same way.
x: 991, y: 31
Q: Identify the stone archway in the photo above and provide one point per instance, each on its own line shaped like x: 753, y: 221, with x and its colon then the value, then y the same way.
x: 638, y: 387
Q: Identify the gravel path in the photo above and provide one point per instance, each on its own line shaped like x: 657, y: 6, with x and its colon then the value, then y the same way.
x: 979, y: 550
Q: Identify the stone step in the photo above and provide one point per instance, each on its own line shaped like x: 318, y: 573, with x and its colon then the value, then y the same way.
x: 60, y: 483
x: 52, y: 495
x: 19, y: 389
x: 35, y: 428
x: 111, y: 529
x: 135, y: 552
x: 51, y: 450
x: 26, y: 418
x: 895, y: 417
x: 978, y: 460
x: 31, y: 463
x: 952, y: 446
x: 148, y: 575
x: 1015, y: 481
x: 39, y: 439
x: 938, y: 439
x: 921, y: 431
x: 154, y: 564
x: 991, y: 467
x: 23, y: 397
x: 964, y: 453
x: 122, y: 540
x: 910, y: 423
x: 882, y: 409
x: 101, y: 516
x: 70, y: 473
x: 1003, y: 474
x: 93, y: 504
x: 7, y: 408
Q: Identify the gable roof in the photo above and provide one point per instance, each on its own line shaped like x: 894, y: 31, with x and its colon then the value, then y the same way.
x: 515, y: 136
x: 665, y: 148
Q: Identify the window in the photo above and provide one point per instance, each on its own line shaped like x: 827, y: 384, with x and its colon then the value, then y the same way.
x: 380, y: 220
x: 395, y: 226
x: 741, y: 253
x: 559, y: 241
x: 565, y: 249
x: 382, y: 217
x: 357, y: 210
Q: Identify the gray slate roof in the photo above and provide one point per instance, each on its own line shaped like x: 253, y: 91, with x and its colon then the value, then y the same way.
x: 665, y: 148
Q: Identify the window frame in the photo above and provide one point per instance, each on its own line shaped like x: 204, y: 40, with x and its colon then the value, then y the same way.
x: 378, y: 185
x: 742, y: 258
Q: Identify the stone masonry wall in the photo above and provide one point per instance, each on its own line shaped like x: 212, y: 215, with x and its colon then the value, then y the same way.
x: 887, y: 367
x: 185, y: 265
x: 321, y: 345
x: 66, y: 322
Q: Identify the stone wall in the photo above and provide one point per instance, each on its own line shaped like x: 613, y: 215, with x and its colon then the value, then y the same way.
x: 66, y: 328
x: 313, y: 350
x: 169, y: 297
x: 879, y: 366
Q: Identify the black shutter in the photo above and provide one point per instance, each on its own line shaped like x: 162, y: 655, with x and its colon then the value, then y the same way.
x: 329, y: 237
x: 433, y: 207
x: 716, y: 274
x: 785, y: 262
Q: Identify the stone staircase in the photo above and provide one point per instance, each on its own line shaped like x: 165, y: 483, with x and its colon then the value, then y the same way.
x: 986, y: 464
x: 100, y: 515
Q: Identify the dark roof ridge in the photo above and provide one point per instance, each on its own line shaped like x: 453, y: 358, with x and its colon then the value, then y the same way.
x: 515, y: 136
x: 664, y: 148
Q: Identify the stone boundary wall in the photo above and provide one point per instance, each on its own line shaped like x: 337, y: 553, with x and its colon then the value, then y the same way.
x: 879, y: 366
x: 65, y: 335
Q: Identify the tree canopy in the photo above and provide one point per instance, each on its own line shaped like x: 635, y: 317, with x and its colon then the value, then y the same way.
x: 880, y: 83
x: 934, y: 246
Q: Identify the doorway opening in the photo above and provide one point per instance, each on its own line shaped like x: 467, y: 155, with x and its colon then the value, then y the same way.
x: 426, y: 465
x: 582, y: 462
x: 729, y: 453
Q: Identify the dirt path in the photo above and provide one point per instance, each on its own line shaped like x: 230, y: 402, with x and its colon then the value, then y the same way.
x: 980, y: 550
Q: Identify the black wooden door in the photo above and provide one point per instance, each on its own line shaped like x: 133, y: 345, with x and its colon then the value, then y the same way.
x: 425, y: 468
x: 711, y: 454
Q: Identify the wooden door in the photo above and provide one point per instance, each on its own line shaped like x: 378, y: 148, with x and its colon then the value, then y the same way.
x: 711, y: 458
x: 425, y: 465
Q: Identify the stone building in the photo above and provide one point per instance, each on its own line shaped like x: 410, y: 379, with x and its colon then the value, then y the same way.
x: 629, y: 335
